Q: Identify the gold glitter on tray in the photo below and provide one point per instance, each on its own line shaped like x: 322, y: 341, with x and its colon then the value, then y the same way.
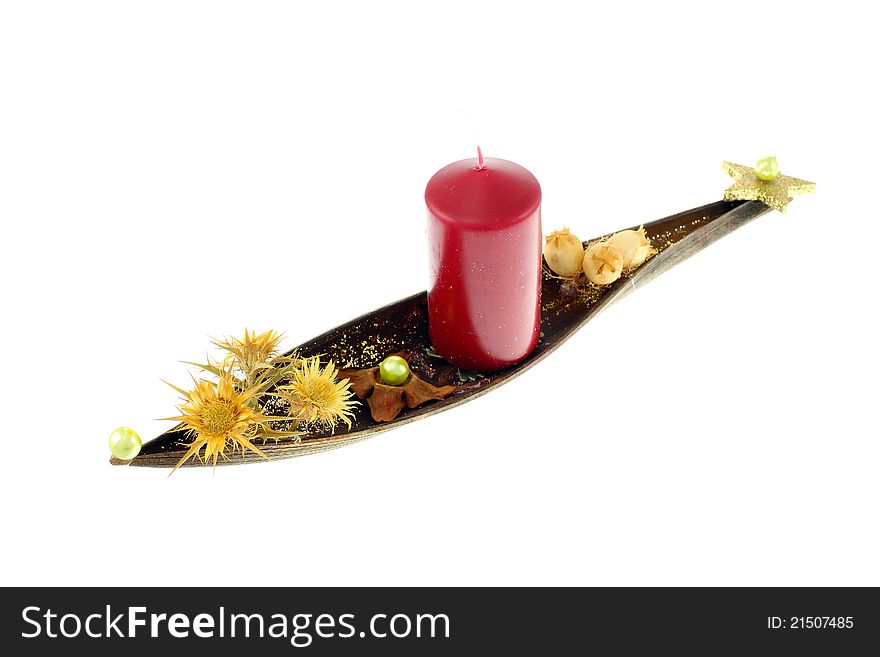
x: 579, y: 292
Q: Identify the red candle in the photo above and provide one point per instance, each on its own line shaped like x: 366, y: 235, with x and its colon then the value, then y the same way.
x: 485, y: 243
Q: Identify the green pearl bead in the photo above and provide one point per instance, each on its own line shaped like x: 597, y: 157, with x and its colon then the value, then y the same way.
x: 767, y: 168
x: 394, y: 371
x: 125, y: 443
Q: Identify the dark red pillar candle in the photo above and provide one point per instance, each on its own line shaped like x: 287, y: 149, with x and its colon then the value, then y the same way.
x: 485, y: 244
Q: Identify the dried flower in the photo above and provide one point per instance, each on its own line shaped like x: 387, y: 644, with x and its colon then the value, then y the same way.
x: 634, y: 246
x: 386, y: 401
x: 219, y: 416
x: 232, y: 410
x: 252, y: 351
x: 564, y: 253
x: 603, y: 263
x: 316, y: 397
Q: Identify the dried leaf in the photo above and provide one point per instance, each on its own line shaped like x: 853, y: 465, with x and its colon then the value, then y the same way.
x: 416, y: 392
x: 386, y: 402
x: 361, y: 381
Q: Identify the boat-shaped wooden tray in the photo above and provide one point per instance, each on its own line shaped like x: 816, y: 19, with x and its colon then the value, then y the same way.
x: 403, y: 327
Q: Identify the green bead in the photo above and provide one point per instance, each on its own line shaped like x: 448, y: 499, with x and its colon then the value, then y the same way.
x: 767, y: 168
x: 125, y: 443
x: 394, y: 371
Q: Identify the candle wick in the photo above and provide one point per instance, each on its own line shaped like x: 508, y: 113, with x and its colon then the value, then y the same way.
x: 480, y: 166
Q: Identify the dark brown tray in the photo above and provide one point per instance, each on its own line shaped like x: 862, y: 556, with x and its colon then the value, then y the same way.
x: 403, y: 327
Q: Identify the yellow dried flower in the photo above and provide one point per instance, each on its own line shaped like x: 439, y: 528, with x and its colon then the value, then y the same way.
x: 252, y: 350
x: 219, y: 416
x: 316, y: 397
x: 603, y: 263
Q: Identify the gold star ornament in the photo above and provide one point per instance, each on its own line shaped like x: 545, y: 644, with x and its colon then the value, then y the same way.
x: 764, y: 183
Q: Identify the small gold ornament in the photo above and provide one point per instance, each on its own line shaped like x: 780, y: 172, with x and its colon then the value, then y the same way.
x: 776, y: 192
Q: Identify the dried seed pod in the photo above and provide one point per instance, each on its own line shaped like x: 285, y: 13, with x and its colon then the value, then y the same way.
x: 634, y: 246
x: 564, y: 253
x: 603, y: 263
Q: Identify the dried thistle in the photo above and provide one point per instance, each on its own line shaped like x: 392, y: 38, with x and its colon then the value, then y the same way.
x: 252, y: 351
x: 315, y: 396
x: 236, y: 408
x: 220, y: 416
x: 253, y: 360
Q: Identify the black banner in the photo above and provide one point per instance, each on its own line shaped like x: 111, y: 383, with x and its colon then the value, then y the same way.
x: 413, y: 621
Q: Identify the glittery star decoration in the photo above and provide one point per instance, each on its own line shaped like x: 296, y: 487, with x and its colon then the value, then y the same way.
x: 776, y: 193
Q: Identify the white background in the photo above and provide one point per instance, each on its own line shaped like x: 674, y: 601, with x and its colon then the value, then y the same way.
x: 176, y: 170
